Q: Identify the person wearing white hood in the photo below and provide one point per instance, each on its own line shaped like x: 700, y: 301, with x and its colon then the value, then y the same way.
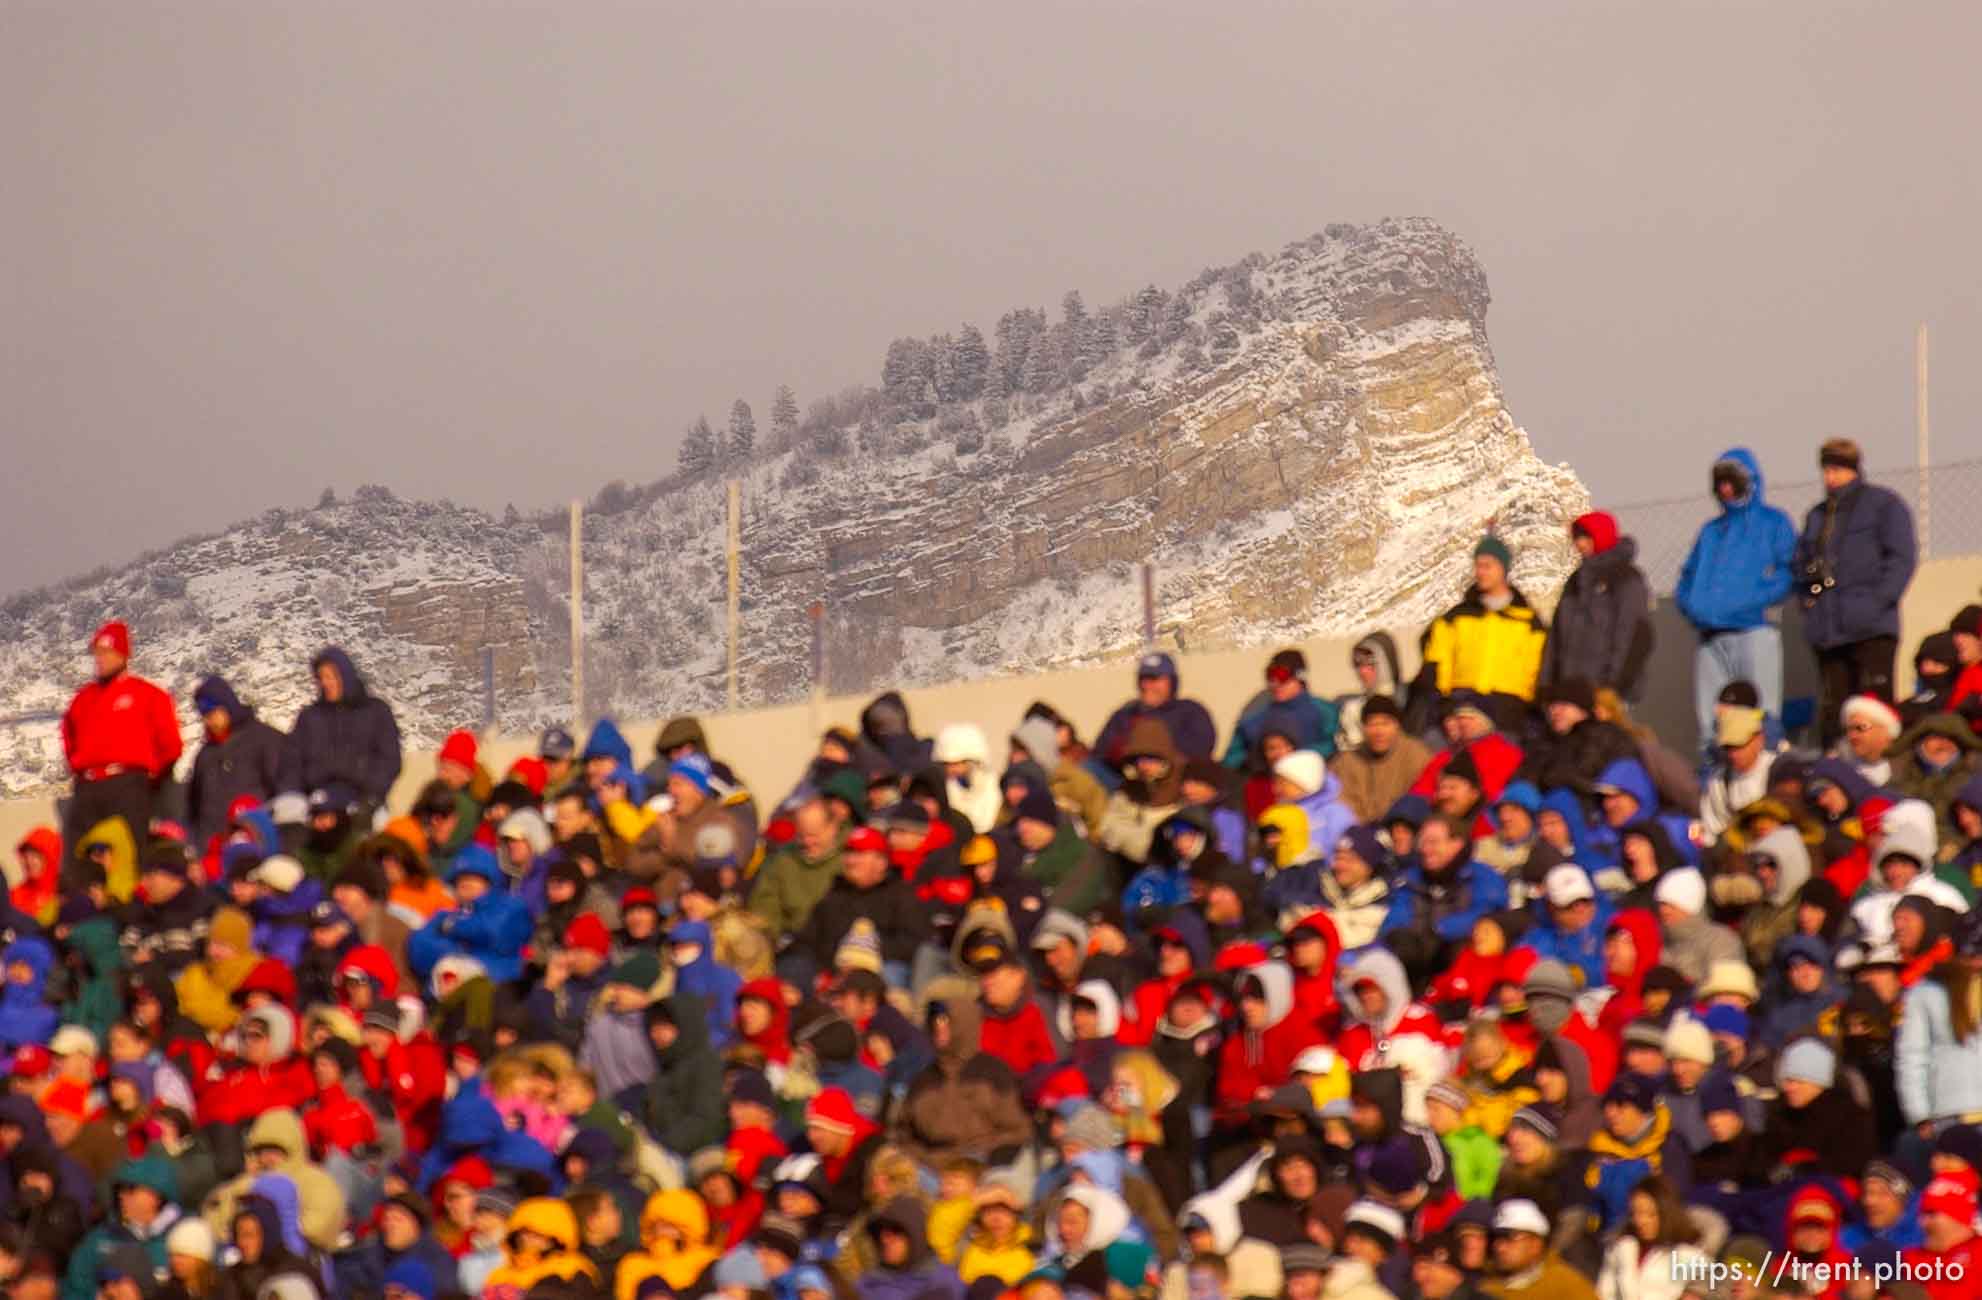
x: 1903, y: 864
x: 1088, y: 1237
x: 966, y: 760
x: 1098, y: 999
x: 1210, y: 1226
x: 1386, y: 1029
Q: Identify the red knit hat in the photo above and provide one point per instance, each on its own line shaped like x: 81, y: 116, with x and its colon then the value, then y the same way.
x: 113, y: 636
x: 1952, y: 1194
x: 638, y: 896
x: 588, y: 931
x: 833, y: 1110
x: 1599, y: 527
x: 865, y: 839
x: 459, y: 747
x: 530, y: 770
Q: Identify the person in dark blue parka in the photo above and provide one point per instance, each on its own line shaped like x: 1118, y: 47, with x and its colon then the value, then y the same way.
x: 1853, y: 562
x: 346, y: 735
x: 240, y: 757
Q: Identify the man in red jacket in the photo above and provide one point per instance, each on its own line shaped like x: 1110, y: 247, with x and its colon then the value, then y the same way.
x: 267, y: 1074
x: 1949, y: 1262
x: 1015, y: 1029
x: 121, y: 737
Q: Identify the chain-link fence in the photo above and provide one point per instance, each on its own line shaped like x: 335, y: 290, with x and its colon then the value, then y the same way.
x: 1950, y: 525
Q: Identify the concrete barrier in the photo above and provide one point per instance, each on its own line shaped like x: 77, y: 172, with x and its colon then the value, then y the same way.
x: 770, y: 747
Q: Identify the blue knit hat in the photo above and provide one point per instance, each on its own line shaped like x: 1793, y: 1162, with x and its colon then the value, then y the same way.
x: 694, y: 768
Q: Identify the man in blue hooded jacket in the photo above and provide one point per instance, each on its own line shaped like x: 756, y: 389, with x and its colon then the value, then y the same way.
x: 1737, y: 573
x: 1853, y: 562
x: 488, y: 923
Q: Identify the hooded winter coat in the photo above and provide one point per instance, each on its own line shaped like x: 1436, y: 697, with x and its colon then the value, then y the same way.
x: 492, y: 930
x: 1407, y: 1036
x: 25, y: 1016
x: 1389, y: 681
x: 354, y: 741
x: 1255, y: 1059
x: 246, y: 763
x: 1938, y: 789
x: 967, y: 1101
x: 685, y: 1103
x: 117, y: 1234
x: 1602, y: 629
x: 321, y: 1199
x: 1861, y: 538
x: 1742, y: 561
x: 714, y: 984
x: 522, y: 1270
x: 1072, y: 786
x: 885, y: 725
x: 674, y: 1234
x: 1139, y: 807
x: 1772, y: 919
x: 470, y: 1125
x: 922, y: 1276
x: 1630, y: 776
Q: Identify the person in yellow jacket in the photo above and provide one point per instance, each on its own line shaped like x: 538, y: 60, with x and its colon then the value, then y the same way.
x: 1490, y: 642
x: 674, y: 1231
x: 1497, y: 1080
x: 999, y: 1244
x: 540, y: 1241
x: 206, y: 988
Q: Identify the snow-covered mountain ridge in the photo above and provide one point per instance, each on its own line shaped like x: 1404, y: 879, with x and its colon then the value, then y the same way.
x: 1304, y: 444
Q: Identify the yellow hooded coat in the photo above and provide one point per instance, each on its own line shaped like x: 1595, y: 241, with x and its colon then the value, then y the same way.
x: 677, y: 1260
x: 522, y: 1269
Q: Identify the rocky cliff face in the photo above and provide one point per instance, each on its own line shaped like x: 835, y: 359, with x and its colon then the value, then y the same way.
x: 1328, y: 465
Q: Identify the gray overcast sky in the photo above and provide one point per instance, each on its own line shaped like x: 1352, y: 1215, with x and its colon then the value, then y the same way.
x: 505, y: 252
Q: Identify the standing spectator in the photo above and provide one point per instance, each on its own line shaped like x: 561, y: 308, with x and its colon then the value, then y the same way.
x: 239, y: 758
x: 121, y: 737
x: 1853, y: 560
x: 345, y: 736
x: 1738, y: 571
x: 1285, y: 706
x: 1190, y: 726
x: 1603, y: 626
x: 1490, y: 642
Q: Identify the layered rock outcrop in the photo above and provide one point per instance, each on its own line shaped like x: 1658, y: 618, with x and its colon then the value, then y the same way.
x: 1327, y: 464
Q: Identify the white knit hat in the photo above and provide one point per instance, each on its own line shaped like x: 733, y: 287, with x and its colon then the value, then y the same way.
x: 1304, y: 768
x: 1686, y: 1039
x: 191, y: 1238
x: 281, y: 873
x: 1685, y: 888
